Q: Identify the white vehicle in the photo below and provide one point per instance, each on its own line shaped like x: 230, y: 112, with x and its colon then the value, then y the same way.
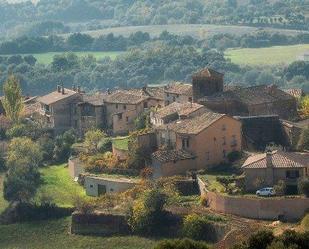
x: 265, y: 192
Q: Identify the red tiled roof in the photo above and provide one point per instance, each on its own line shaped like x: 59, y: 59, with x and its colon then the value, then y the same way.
x: 195, y: 125
x: 179, y: 88
x: 56, y: 96
x: 208, y: 72
x: 280, y: 159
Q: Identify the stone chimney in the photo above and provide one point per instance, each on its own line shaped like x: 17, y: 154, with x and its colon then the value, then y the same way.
x: 74, y: 88
x: 59, y: 89
x: 62, y: 90
x: 271, y: 88
x: 269, y: 163
x: 109, y: 91
x: 78, y: 89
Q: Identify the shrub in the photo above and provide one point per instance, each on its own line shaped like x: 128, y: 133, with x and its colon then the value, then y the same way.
x: 181, y: 244
x: 83, y: 206
x: 147, y: 215
x: 233, y: 156
x: 303, y: 187
x: 105, y: 145
x: 280, y: 188
x: 305, y: 223
x: 198, y: 228
x: 2, y: 164
x: 261, y: 239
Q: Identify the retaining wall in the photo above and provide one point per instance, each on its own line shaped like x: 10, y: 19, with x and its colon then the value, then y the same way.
x: 289, y: 208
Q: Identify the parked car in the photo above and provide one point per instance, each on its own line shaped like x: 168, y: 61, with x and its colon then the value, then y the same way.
x: 266, y: 192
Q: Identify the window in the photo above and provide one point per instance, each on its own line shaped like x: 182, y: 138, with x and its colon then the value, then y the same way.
x: 215, y: 139
x: 127, y: 119
x: 120, y: 116
x: 190, y: 99
x: 116, y: 106
x: 185, y: 143
x: 124, y: 107
x: 91, y: 186
x: 224, y: 141
x: 292, y: 174
x: 224, y: 153
x: 174, y: 99
x: 223, y: 127
x: 145, y: 105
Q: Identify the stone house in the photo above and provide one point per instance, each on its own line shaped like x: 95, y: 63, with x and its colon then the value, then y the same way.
x: 58, y: 109
x: 265, y: 170
x: 195, y: 143
x: 253, y: 101
x: 99, y: 185
x: 178, y: 92
x: 175, y: 111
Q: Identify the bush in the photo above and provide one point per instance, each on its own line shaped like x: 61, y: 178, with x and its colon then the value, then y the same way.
x: 199, y: 228
x: 2, y: 164
x: 303, y: 187
x: 280, y: 188
x: 234, y: 156
x: 305, y: 223
x: 180, y: 244
x: 105, y: 145
x: 147, y: 216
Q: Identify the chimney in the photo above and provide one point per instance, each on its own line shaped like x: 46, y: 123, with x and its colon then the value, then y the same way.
x: 59, y: 89
x: 74, y: 88
x: 269, y: 163
x: 108, y: 91
x: 62, y: 90
x: 78, y: 89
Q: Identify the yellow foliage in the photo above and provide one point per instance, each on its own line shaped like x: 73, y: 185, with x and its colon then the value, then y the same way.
x: 304, y: 107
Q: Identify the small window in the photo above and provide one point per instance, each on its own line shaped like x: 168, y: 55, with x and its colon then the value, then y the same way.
x: 116, y: 106
x: 145, y: 105
x: 223, y: 127
x: 224, y: 153
x: 215, y: 139
x: 174, y: 99
x: 127, y: 119
x: 91, y: 186
x: 112, y: 190
x: 124, y: 107
x: 188, y: 143
x: 190, y: 99
x: 120, y: 116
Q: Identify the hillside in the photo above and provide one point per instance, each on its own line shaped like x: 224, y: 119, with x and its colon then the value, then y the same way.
x: 266, y: 56
x: 82, y: 15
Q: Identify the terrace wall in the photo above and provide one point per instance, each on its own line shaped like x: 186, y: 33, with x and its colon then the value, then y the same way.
x: 256, y: 208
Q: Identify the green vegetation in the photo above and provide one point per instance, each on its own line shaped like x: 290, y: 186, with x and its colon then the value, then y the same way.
x: 47, y: 58
x: 54, y: 234
x: 121, y: 143
x: 266, y: 56
x: 305, y: 223
x: 3, y: 202
x: 212, y: 183
x: 58, y: 185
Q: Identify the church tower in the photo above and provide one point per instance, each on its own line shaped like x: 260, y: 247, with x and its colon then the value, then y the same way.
x: 206, y: 82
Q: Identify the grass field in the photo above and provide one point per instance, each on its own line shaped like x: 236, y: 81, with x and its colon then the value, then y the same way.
x: 266, y: 56
x: 200, y: 31
x: 53, y: 234
x: 59, y: 186
x: 121, y: 143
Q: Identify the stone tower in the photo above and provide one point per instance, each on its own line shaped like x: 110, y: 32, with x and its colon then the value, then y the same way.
x: 206, y: 83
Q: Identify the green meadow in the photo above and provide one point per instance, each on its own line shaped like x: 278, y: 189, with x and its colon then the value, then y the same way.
x: 266, y: 56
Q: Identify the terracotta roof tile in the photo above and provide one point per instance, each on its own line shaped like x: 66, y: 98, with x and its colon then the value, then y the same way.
x: 55, y: 96
x: 179, y: 88
x: 207, y: 72
x: 182, y: 109
x: 280, y: 159
x: 194, y: 125
x: 124, y: 97
x: 165, y: 156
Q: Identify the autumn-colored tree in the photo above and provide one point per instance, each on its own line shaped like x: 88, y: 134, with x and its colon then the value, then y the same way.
x: 93, y: 138
x: 13, y: 100
x: 304, y: 107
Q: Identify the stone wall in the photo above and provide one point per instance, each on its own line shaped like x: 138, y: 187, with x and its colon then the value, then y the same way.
x: 99, y: 224
x: 258, y: 131
x: 122, y: 155
x: 148, y: 140
x: 75, y: 167
x: 256, y: 208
